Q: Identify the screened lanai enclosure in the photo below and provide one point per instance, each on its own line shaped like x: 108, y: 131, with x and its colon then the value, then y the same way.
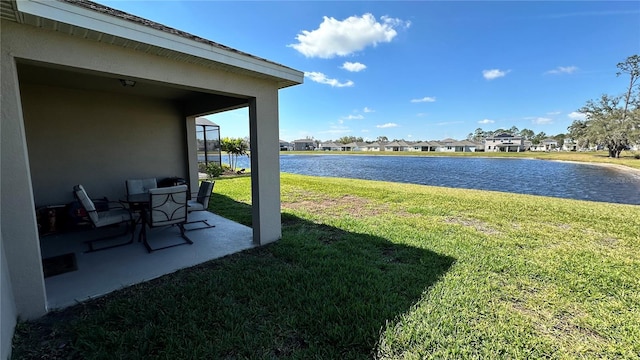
x: 208, y: 142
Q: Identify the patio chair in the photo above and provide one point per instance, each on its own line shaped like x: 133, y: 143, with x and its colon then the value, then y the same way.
x: 201, y: 203
x: 115, y: 214
x: 140, y: 186
x: 167, y: 207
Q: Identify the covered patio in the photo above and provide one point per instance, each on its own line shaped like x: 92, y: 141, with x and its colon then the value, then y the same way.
x: 98, y: 273
x: 95, y: 96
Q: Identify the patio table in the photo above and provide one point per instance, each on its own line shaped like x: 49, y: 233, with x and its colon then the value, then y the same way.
x: 138, y: 203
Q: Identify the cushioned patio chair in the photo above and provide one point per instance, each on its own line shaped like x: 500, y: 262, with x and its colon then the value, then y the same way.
x: 140, y: 186
x: 201, y: 203
x: 167, y: 207
x: 115, y: 214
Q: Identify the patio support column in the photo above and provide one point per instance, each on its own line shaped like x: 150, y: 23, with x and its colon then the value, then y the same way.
x: 265, y: 167
x: 192, y: 154
x: 18, y: 220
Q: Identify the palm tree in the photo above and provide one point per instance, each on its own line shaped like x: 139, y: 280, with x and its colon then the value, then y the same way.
x: 234, y: 148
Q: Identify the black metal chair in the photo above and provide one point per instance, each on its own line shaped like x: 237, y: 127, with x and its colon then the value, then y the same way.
x: 116, y: 214
x: 201, y: 203
x: 167, y: 207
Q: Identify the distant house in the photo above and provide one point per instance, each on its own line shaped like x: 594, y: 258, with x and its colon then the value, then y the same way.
x: 549, y: 144
x: 304, y: 145
x: 447, y: 145
x: 285, y: 146
x: 504, y: 142
x: 355, y: 146
x: 396, y: 146
x: 330, y: 146
x: 466, y: 146
x: 570, y: 145
x: 423, y: 146
x: 376, y: 146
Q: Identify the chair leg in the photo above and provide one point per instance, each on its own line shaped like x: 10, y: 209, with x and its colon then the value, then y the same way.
x: 187, y: 241
x: 129, y: 227
x: 207, y: 225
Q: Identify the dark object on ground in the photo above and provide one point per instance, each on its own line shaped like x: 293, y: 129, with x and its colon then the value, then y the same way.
x: 60, y: 264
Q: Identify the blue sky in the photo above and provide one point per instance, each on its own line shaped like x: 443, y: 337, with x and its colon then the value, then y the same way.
x: 419, y: 70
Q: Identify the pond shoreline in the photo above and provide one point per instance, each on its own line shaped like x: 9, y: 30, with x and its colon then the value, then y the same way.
x: 530, y: 156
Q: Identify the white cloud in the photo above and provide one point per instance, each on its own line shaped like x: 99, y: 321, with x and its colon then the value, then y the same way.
x: 553, y: 113
x: 334, y: 37
x: 486, y: 121
x: 494, y: 73
x: 542, y: 121
x: 424, y: 99
x: 353, y: 117
x: 387, y: 125
x: 562, y: 70
x: 336, y: 130
x: 367, y: 110
x: 353, y: 66
x: 323, y: 79
x: 576, y: 115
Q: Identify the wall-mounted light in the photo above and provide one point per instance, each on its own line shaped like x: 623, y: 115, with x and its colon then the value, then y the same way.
x: 126, y: 82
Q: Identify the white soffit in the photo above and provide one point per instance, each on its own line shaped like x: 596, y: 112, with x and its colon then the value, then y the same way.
x: 74, y: 15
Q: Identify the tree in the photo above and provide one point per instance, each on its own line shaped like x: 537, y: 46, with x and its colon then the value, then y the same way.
x: 578, y: 133
x: 234, y: 147
x: 382, y: 139
x: 477, y: 135
x: 537, y: 138
x: 630, y: 66
x: 527, y: 134
x: 349, y: 139
x: 605, y: 124
x: 560, y: 139
x: 612, y: 121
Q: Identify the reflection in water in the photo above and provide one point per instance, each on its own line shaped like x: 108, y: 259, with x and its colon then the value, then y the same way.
x: 525, y: 176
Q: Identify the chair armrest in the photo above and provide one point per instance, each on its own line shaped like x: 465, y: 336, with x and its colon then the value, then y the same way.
x: 113, y: 205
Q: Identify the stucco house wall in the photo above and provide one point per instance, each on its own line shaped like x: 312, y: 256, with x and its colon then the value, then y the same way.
x: 7, y: 306
x: 117, y: 136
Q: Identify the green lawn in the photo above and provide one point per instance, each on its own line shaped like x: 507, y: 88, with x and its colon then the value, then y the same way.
x: 381, y: 270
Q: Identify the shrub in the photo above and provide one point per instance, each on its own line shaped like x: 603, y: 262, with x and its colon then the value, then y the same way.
x: 213, y: 170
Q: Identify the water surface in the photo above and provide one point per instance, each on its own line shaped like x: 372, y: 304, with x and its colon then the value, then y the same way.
x: 525, y: 176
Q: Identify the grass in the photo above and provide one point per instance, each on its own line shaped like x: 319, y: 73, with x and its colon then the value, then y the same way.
x: 370, y: 269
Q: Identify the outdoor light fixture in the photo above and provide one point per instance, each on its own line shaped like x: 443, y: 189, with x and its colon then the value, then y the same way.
x: 126, y: 82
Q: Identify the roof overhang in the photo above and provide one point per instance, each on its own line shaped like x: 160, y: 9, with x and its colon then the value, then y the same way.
x: 140, y: 35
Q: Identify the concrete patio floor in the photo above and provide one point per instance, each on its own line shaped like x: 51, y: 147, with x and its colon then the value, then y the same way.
x: 101, y: 272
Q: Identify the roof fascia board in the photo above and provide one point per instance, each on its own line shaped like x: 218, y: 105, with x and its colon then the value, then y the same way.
x: 88, y: 19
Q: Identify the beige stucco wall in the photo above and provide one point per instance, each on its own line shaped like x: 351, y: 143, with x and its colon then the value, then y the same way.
x: 18, y: 221
x: 7, y: 306
x: 99, y: 141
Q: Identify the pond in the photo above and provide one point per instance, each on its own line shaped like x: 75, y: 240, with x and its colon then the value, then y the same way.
x: 525, y: 176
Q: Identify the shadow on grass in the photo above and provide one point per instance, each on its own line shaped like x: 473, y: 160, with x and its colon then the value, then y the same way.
x: 320, y: 292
